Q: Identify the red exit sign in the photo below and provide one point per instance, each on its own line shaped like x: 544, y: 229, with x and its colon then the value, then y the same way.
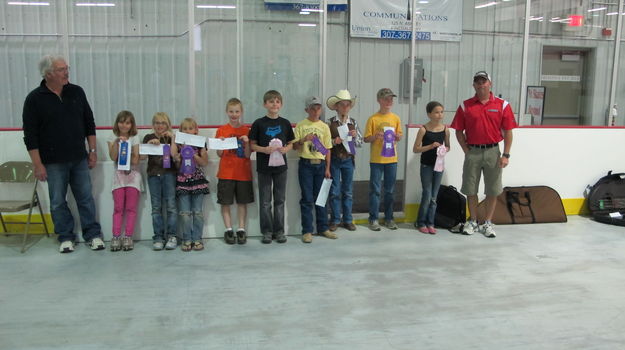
x: 576, y: 20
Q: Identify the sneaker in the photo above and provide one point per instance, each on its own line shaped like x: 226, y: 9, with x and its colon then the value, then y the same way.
x: 96, y: 243
x: 229, y: 237
x: 281, y: 238
x: 127, y: 243
x: 158, y: 245
x: 333, y: 227
x: 328, y: 234
x: 469, y: 228
x: 307, y: 238
x: 487, y: 230
x: 116, y: 243
x: 432, y: 230
x: 66, y: 247
x: 350, y: 226
x: 241, y: 236
x: 374, y: 225
x: 423, y: 229
x: 172, y: 243
x: 391, y: 225
x: 266, y: 238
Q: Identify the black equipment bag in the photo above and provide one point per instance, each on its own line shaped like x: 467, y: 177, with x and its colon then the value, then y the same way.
x: 608, y: 196
x: 451, y: 207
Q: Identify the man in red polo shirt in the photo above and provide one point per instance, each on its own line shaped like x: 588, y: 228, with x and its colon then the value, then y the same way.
x: 481, y: 122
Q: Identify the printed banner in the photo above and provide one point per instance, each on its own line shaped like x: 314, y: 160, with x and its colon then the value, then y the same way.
x: 390, y: 19
x: 297, y: 5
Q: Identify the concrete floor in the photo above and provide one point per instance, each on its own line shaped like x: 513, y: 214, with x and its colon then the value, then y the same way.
x: 543, y: 286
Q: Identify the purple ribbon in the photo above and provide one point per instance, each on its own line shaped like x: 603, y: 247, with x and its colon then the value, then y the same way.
x: 319, y: 146
x: 388, y: 146
x: 352, y: 147
x: 187, y: 165
x: 166, y: 156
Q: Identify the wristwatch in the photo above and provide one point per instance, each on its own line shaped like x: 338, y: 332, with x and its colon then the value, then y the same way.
x: 92, y: 150
x: 507, y: 155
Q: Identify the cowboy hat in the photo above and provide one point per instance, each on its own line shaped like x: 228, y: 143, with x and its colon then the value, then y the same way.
x: 342, y: 95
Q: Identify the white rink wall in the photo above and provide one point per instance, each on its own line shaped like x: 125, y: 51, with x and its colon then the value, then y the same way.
x: 567, y: 159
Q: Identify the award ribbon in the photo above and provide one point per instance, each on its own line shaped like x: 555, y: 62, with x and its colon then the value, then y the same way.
x: 240, y: 150
x: 166, y: 156
x: 319, y: 146
x: 388, y: 146
x: 439, y: 166
x: 187, y: 165
x: 276, y: 158
x: 351, y: 144
x: 122, y: 159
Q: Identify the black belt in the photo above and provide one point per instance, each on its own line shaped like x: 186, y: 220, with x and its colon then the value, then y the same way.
x: 311, y: 161
x: 490, y: 145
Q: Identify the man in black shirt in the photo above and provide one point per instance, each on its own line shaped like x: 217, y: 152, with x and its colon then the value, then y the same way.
x: 56, y: 120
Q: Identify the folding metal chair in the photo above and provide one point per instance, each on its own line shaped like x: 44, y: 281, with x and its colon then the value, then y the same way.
x: 16, y: 173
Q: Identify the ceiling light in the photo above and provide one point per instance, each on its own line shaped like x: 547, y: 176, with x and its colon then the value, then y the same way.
x: 215, y: 6
x: 307, y: 25
x: 486, y: 4
x: 598, y: 9
x: 100, y: 4
x: 25, y: 3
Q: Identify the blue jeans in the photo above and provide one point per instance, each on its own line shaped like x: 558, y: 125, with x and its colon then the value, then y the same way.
x: 191, y: 216
x: 163, y: 191
x: 310, y: 179
x: 390, y: 173
x: 272, y: 221
x: 341, y: 190
x: 76, y: 175
x: 430, y: 182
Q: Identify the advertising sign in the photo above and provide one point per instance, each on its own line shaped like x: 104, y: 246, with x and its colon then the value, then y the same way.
x: 297, y: 5
x: 391, y: 19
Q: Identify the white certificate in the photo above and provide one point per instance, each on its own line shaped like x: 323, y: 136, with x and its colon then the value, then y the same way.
x: 189, y: 139
x: 151, y: 149
x: 344, y: 135
x: 227, y: 143
x: 322, y: 198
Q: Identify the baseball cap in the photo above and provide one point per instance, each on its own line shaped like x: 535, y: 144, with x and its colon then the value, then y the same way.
x: 481, y: 74
x: 313, y: 100
x: 385, y: 92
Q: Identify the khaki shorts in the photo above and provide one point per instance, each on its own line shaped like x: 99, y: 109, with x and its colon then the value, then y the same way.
x: 228, y: 190
x: 476, y: 162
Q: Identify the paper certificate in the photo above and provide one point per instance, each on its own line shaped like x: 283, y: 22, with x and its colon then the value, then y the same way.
x: 191, y: 140
x: 151, y: 149
x: 227, y: 143
x: 322, y: 198
x: 344, y: 135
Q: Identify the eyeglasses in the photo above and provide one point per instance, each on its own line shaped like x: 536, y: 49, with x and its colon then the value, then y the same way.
x: 61, y: 69
x: 160, y: 123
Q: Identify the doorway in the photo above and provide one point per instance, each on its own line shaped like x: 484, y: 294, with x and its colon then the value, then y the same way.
x: 563, y: 70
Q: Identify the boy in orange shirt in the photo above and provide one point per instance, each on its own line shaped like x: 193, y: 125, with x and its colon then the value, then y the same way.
x: 235, y: 173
